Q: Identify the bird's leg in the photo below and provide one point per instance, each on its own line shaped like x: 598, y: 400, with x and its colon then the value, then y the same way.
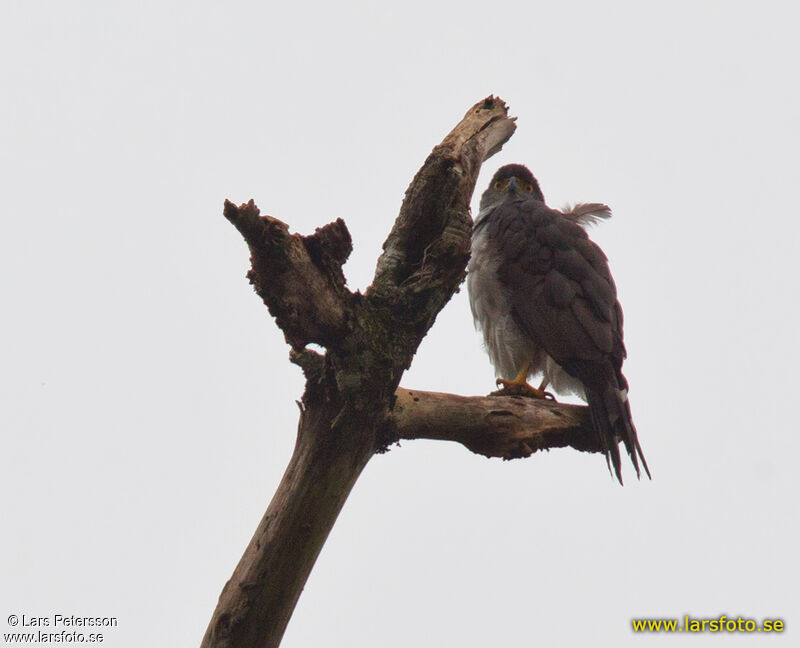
x: 520, y: 381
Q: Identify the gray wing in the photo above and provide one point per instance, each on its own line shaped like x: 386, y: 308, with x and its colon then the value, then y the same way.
x: 561, y: 289
x: 563, y: 296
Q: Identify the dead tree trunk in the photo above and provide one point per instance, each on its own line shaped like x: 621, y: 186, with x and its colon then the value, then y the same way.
x: 352, y: 406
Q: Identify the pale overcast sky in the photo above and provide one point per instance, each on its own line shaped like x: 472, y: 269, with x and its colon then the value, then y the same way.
x: 147, y: 404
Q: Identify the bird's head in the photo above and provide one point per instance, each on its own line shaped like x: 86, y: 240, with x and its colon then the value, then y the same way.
x: 510, y: 181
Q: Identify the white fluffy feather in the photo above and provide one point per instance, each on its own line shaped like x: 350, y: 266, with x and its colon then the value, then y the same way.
x: 585, y: 214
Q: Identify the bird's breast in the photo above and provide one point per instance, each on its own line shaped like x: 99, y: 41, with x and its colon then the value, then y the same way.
x: 490, y: 302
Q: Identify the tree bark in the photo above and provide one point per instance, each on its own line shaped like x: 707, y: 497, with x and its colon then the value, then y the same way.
x: 257, y: 602
x: 509, y: 427
x: 352, y: 407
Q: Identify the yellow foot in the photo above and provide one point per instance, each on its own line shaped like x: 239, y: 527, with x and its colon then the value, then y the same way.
x: 520, y: 385
x: 526, y: 388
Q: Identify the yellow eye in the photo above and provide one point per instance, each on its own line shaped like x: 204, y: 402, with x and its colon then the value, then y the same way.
x: 527, y: 186
x: 501, y: 184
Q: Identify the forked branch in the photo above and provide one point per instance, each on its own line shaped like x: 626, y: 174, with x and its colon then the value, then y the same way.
x: 352, y: 406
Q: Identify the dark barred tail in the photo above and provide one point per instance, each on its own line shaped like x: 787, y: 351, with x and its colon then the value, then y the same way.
x: 611, y: 417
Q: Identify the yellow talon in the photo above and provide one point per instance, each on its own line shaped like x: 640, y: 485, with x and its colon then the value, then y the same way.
x: 520, y: 382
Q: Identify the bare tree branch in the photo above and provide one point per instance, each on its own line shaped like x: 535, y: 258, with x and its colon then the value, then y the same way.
x: 299, y: 278
x: 509, y: 427
x: 432, y: 232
